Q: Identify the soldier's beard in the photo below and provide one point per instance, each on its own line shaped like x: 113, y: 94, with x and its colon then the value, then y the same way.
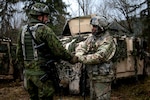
x: 96, y: 31
x: 48, y: 21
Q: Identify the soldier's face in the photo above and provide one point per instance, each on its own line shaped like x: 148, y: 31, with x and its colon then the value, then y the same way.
x: 43, y: 18
x: 96, y: 30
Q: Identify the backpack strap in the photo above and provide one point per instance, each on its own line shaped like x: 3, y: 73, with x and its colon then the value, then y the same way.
x: 31, y: 31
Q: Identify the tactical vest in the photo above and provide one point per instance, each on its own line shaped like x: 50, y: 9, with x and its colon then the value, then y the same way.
x: 28, y: 43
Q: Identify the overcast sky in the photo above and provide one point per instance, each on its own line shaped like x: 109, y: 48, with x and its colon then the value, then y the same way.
x: 74, y: 7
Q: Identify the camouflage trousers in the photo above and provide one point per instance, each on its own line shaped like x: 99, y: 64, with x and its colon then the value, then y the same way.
x: 37, y: 89
x: 100, y: 77
x: 100, y: 90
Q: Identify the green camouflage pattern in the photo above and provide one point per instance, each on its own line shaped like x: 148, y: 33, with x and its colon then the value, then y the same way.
x: 96, y: 53
x: 32, y: 67
x: 37, y: 89
x: 45, y: 34
x: 39, y: 9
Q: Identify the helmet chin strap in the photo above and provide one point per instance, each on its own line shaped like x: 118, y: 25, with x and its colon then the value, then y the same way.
x: 97, y: 31
x: 43, y: 19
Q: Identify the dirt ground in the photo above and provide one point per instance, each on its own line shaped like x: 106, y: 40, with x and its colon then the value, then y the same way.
x: 125, y: 89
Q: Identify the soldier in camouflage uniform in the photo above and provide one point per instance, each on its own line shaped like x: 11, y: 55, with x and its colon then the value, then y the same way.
x: 96, y: 53
x: 32, y: 35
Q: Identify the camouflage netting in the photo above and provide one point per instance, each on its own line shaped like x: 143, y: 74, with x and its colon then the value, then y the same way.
x: 4, y: 59
x: 121, y: 51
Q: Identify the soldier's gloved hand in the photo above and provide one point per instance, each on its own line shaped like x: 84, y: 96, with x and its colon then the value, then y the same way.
x: 74, y: 60
x: 64, y: 83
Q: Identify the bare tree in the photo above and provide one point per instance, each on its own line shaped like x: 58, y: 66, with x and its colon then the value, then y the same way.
x: 86, y: 6
x: 19, y: 17
x: 9, y: 17
x: 126, y: 10
x: 103, y: 9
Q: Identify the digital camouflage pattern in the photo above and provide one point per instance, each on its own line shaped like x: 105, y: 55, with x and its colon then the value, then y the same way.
x: 32, y: 67
x: 100, y: 21
x: 96, y: 53
x: 96, y: 49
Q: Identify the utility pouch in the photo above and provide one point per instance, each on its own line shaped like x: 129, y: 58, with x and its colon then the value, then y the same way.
x: 51, y: 73
x: 44, y: 77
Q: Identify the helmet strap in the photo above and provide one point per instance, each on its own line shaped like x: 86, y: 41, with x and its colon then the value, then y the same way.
x: 42, y: 18
x: 98, y: 30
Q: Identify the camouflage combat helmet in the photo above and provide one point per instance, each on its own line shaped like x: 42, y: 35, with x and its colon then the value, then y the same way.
x: 99, y: 21
x: 39, y: 9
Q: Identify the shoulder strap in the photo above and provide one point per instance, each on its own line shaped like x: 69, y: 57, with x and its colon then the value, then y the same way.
x: 30, y: 32
x: 28, y: 29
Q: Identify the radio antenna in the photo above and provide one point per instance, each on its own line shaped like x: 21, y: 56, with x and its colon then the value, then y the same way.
x: 79, y: 17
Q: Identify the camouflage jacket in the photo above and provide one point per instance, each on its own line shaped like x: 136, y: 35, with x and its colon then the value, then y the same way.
x: 96, y: 49
x: 44, y: 34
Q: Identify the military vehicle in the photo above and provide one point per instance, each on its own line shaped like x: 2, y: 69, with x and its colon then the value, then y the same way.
x: 129, y: 61
x: 7, y: 57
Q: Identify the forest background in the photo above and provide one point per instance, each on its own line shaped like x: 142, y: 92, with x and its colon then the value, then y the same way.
x: 132, y: 15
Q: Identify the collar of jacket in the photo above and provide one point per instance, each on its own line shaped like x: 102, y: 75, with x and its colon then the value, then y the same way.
x: 102, y: 34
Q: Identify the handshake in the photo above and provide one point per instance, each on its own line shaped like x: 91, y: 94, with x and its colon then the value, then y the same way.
x: 74, y: 60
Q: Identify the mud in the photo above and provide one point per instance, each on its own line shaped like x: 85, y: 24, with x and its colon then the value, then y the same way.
x: 126, y: 89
